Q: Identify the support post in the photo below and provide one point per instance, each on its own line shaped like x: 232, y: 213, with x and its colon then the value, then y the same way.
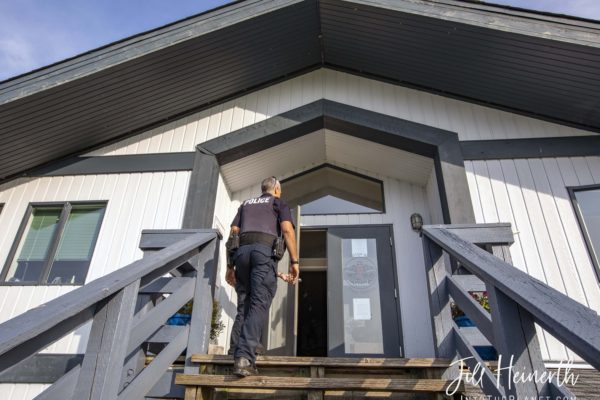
x: 107, y: 347
x: 202, y: 192
x: 515, y: 340
x: 452, y: 183
x: 206, y: 264
x: 438, y: 268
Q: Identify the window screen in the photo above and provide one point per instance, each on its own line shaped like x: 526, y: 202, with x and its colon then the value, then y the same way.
x: 33, y: 251
x: 56, y: 245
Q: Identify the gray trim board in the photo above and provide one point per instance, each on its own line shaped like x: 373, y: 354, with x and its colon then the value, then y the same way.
x: 573, y: 146
x: 202, y: 192
x: 131, y: 163
x: 441, y: 145
x: 41, y: 368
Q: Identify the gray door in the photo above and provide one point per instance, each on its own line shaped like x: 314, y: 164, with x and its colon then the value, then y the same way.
x: 362, y: 303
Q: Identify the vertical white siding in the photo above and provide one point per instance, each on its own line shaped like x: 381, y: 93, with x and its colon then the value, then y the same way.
x: 470, y: 121
x: 225, y: 294
x: 402, y: 199
x: 135, y: 202
x: 531, y: 194
x: 21, y: 391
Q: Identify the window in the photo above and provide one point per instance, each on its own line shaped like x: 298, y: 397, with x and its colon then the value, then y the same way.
x: 331, y: 190
x: 55, y: 244
x: 586, y: 201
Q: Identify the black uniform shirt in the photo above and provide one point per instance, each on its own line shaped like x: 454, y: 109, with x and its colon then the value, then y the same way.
x: 262, y: 214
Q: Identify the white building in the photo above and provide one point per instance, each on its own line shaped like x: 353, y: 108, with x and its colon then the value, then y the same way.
x: 463, y: 113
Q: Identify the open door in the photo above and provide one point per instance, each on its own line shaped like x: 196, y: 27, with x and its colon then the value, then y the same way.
x: 281, y: 332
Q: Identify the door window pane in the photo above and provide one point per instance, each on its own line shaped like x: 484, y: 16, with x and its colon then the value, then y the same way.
x: 32, y: 252
x: 588, y: 202
x: 76, y: 245
x: 363, y: 329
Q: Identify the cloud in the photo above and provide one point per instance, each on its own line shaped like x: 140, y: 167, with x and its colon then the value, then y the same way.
x: 580, y: 8
x: 27, y: 42
x: 36, y: 33
x: 16, y: 55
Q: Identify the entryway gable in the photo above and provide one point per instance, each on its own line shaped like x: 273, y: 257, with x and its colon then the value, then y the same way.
x: 437, y: 144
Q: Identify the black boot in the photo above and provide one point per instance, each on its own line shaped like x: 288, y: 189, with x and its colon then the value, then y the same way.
x: 243, y: 367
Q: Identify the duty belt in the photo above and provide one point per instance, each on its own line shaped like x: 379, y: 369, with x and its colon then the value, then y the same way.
x: 257, y: 237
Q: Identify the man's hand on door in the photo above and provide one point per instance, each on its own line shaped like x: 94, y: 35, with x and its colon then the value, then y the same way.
x: 294, y: 273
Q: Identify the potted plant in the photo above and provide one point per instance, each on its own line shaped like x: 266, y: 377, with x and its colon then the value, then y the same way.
x: 183, y: 316
x: 216, y: 325
x: 485, y: 352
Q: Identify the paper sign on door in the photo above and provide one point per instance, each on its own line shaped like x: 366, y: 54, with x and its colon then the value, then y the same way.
x: 362, y: 309
x: 359, y: 248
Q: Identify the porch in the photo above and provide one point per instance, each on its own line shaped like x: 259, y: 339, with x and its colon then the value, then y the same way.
x: 126, y: 316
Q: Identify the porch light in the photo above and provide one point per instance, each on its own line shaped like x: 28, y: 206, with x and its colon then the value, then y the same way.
x: 416, y: 221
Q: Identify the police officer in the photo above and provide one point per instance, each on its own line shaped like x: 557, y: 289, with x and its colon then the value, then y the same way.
x: 253, y: 272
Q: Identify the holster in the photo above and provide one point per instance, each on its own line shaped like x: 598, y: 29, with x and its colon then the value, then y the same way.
x: 278, y: 248
x: 232, y: 244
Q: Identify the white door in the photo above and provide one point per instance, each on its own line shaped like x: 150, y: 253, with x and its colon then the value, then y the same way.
x: 281, y: 332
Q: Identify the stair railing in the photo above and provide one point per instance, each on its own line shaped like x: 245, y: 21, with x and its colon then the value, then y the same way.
x: 517, y: 302
x: 125, y: 313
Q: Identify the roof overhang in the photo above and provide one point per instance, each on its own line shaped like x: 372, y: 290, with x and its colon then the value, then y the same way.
x: 536, y: 64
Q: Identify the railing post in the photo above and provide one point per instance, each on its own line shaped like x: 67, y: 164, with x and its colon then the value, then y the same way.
x: 136, y: 360
x: 206, y: 264
x: 107, y: 346
x: 516, y: 341
x: 524, y: 332
x: 437, y: 266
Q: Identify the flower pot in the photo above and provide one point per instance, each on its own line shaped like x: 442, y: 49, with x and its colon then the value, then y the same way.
x: 179, y: 319
x: 487, y: 353
x: 463, y: 321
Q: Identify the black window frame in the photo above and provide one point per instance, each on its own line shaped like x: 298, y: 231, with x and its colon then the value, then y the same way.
x: 64, y: 214
x: 581, y: 221
x: 349, y: 172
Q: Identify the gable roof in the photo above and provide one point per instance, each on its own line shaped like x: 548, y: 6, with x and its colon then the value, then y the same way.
x: 538, y: 64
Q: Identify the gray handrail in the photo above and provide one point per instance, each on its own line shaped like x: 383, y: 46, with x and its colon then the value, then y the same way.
x: 21, y: 336
x: 569, y: 321
x: 517, y: 302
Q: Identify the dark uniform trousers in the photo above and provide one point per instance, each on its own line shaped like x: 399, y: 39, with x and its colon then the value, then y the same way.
x: 256, y: 284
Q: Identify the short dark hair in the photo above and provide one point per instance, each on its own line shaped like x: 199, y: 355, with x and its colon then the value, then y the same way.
x: 269, y: 184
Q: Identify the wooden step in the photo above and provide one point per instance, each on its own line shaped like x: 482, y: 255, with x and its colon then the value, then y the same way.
x: 406, y: 385
x: 332, y: 362
x: 278, y: 394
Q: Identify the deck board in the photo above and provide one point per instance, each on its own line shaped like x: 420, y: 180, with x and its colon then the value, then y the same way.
x: 336, y: 362
x: 408, y: 385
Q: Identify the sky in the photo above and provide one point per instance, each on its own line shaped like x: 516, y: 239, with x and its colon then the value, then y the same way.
x: 36, y: 33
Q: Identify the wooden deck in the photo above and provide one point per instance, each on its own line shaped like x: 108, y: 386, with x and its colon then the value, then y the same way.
x: 317, y: 378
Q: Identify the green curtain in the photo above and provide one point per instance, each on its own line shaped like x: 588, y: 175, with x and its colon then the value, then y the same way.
x: 77, y: 240
x: 41, y: 231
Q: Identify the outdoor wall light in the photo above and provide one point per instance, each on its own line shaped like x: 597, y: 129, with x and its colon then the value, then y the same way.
x: 416, y: 221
